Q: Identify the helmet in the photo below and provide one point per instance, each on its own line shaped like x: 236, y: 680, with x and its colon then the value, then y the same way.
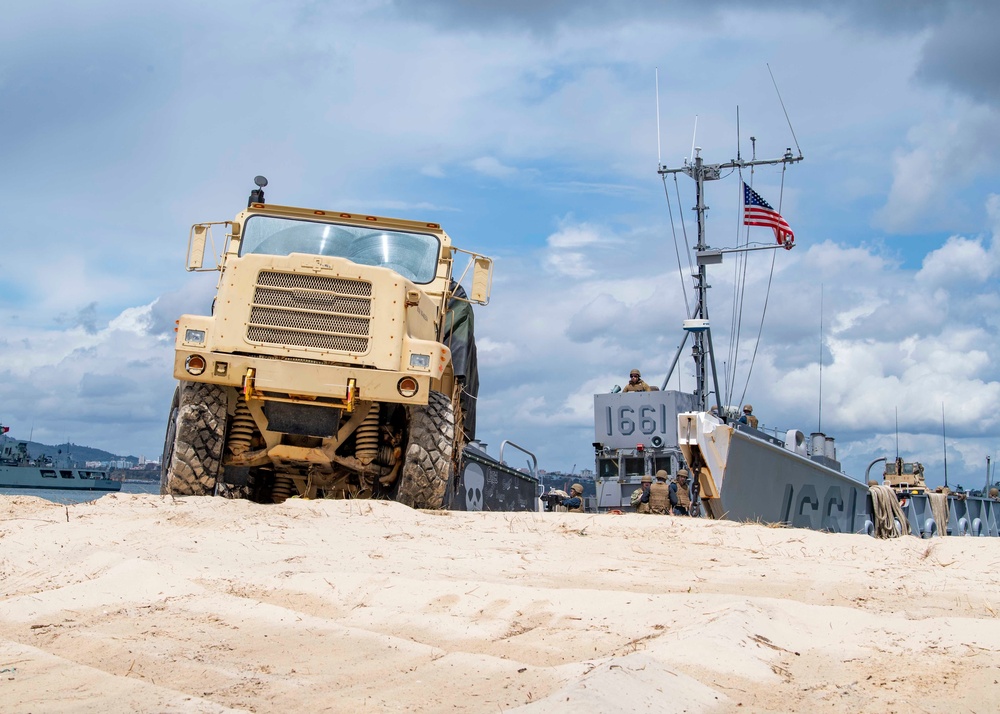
x: 748, y: 407
x: 634, y: 373
x: 661, y: 475
x: 682, y: 473
x: 647, y: 479
x: 576, y: 487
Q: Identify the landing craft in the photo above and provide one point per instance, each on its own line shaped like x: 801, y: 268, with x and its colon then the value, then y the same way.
x: 741, y: 472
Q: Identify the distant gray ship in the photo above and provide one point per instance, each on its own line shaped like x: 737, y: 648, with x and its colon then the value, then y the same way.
x: 18, y: 470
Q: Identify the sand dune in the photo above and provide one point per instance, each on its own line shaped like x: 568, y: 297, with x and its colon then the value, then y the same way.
x: 137, y: 603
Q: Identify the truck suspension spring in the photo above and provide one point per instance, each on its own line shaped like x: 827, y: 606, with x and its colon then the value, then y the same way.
x: 283, y: 489
x: 366, y: 437
x: 387, y: 455
x: 242, y: 430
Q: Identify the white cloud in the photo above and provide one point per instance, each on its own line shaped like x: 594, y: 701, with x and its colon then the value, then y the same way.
x: 960, y: 260
x: 491, y: 166
x: 137, y: 320
x: 945, y: 154
x: 574, y: 236
x: 109, y: 389
x: 495, y: 353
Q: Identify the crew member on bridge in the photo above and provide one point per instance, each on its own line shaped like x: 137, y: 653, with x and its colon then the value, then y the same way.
x: 635, y: 383
x: 574, y: 504
x: 680, y: 496
x: 659, y: 494
x: 748, y: 418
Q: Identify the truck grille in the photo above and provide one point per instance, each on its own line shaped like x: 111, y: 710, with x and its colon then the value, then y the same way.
x: 311, y: 311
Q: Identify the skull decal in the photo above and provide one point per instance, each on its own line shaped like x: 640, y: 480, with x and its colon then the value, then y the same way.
x: 474, y: 480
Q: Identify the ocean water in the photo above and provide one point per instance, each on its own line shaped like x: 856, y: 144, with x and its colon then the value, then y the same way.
x: 58, y: 496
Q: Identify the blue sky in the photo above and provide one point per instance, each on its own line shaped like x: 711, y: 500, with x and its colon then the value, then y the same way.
x: 528, y: 130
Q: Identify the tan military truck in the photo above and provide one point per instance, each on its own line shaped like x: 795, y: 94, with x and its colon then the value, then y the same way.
x: 327, y: 368
x: 906, y: 478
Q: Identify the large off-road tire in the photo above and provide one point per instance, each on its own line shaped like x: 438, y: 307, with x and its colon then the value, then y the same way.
x: 427, y: 463
x: 196, y: 435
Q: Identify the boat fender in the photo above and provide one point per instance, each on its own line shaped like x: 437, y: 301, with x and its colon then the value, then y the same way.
x: 977, y: 527
x: 963, y: 526
x: 930, y: 527
x: 870, y: 528
x: 898, y: 525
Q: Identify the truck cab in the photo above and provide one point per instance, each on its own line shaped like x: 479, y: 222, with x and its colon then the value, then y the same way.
x: 330, y: 351
x: 906, y: 478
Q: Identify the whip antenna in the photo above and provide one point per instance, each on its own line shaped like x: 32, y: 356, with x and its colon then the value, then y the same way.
x: 782, y: 103
x: 659, y: 157
x: 819, y: 427
x: 694, y: 137
x: 944, y: 443
x: 897, y: 433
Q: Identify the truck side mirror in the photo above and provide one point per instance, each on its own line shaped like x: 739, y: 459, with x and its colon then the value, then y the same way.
x: 196, y: 247
x: 482, y: 279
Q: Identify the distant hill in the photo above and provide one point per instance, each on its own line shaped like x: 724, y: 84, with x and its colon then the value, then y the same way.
x: 77, y: 453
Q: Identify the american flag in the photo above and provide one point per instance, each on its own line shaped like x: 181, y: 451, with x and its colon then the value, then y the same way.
x: 758, y: 212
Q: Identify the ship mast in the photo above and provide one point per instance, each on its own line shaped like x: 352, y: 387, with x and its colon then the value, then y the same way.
x: 698, y: 323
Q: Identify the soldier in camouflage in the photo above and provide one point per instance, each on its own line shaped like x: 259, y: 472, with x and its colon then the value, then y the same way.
x: 574, y: 504
x: 659, y: 494
x: 640, y: 496
x: 680, y: 495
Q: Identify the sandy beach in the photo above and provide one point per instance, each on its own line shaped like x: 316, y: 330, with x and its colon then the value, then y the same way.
x: 141, y: 603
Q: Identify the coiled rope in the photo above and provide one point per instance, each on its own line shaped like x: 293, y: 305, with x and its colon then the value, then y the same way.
x: 939, y: 509
x: 887, y: 513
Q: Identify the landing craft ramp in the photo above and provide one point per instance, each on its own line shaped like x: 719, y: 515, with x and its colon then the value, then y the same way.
x: 487, y: 484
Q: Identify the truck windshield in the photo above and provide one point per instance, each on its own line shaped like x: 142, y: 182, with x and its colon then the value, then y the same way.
x: 412, y: 255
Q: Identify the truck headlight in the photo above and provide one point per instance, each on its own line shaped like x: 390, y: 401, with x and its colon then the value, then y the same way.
x: 420, y: 361
x: 194, y: 337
